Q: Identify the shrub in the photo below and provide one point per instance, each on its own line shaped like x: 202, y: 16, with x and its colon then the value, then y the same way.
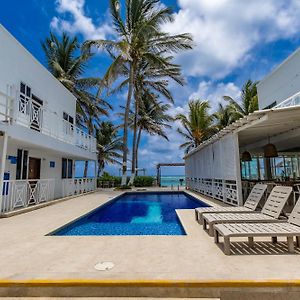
x: 143, y: 181
x: 108, y: 178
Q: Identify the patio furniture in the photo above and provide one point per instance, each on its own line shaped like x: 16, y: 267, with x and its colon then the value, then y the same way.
x: 250, y: 205
x: 270, y: 212
x: 288, y: 229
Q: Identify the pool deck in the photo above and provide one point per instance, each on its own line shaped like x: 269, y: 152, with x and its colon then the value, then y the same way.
x: 27, y: 253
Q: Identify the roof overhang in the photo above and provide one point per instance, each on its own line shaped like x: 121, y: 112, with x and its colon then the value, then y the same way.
x: 255, y: 129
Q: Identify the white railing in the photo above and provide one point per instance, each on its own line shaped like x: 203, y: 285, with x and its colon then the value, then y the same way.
x: 291, y: 101
x: 30, y: 113
x: 18, y: 194
x: 6, y: 107
x: 223, y: 190
x: 77, y: 186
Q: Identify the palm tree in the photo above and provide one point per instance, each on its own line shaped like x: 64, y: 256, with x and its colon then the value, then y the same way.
x: 224, y: 116
x: 139, y: 37
x: 197, y: 126
x: 152, y: 119
x: 109, y: 145
x: 91, y: 119
x: 249, y: 101
x: 68, y: 67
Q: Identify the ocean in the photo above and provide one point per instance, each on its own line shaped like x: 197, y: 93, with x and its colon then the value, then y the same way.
x: 173, y: 180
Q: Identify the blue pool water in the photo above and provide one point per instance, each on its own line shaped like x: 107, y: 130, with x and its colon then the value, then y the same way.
x: 135, y: 214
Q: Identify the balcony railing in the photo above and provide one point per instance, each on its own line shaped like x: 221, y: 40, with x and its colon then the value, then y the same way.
x: 31, y: 114
x: 77, y: 186
x: 291, y: 101
x: 18, y: 194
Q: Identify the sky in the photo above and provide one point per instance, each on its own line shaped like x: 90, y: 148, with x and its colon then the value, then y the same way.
x: 234, y: 40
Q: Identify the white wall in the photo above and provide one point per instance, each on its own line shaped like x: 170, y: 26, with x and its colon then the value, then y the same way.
x: 17, y: 64
x: 282, y: 83
x: 46, y: 157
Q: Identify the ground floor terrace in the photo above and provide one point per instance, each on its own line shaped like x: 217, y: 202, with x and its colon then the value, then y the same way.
x: 34, y: 263
x: 36, y: 169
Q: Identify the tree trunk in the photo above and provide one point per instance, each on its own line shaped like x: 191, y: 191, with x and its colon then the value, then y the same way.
x: 99, y: 170
x: 137, y: 148
x: 134, y: 141
x: 125, y: 130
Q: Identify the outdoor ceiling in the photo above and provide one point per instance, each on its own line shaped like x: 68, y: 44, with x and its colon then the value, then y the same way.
x: 281, y: 125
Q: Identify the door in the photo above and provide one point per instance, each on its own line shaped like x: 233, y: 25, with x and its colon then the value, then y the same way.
x: 34, y: 171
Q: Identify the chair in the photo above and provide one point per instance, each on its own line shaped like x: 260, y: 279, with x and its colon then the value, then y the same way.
x: 288, y: 229
x: 270, y: 212
x: 250, y: 205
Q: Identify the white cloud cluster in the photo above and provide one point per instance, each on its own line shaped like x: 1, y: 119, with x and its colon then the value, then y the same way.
x: 79, y: 22
x: 214, y: 92
x: 225, y: 31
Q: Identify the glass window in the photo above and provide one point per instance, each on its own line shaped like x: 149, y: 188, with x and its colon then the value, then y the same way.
x: 70, y: 168
x: 64, y: 168
x: 67, y: 168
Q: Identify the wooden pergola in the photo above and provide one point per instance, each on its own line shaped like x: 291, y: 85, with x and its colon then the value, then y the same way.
x: 166, y: 165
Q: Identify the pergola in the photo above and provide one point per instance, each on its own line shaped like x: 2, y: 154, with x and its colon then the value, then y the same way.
x: 166, y: 165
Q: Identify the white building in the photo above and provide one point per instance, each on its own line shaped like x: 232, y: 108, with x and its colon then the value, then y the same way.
x: 39, y: 142
x: 216, y: 167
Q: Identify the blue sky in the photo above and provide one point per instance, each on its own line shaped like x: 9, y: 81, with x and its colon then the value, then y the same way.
x: 234, y: 40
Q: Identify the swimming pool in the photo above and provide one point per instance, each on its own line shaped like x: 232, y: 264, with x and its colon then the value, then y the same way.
x: 135, y: 214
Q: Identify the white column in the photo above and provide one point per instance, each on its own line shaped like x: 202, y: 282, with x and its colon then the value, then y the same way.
x: 95, y: 175
x: 2, y: 167
x: 238, y: 172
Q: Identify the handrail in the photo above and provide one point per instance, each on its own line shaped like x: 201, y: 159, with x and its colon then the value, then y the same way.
x: 291, y: 101
x: 30, y: 113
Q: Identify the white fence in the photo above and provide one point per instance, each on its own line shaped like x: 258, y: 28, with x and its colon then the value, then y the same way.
x: 27, y: 112
x: 77, y: 186
x: 223, y: 190
x: 17, y: 194
x: 23, y: 193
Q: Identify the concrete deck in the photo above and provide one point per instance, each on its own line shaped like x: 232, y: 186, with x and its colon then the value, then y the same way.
x: 28, y: 253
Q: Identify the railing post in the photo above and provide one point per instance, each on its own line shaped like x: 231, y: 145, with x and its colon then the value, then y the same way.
x: 2, y: 167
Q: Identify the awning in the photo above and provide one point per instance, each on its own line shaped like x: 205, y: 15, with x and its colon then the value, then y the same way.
x: 280, y: 124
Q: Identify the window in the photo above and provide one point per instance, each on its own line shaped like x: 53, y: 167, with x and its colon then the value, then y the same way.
x: 25, y: 95
x: 67, y: 168
x: 68, y: 118
x: 22, y: 164
x: 68, y: 124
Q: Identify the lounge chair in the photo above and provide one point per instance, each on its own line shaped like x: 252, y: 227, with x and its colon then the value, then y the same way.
x: 250, y: 205
x: 288, y: 229
x: 270, y: 212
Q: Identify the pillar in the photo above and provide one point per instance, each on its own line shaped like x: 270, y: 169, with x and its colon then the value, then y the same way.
x: 2, y: 167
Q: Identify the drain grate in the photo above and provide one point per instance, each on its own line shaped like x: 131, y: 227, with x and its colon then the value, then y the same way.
x: 104, y: 266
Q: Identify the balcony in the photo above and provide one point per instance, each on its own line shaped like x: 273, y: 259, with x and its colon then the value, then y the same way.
x: 25, y: 111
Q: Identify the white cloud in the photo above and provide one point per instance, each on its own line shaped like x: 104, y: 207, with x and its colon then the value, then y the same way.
x: 79, y: 23
x: 214, y: 92
x: 225, y: 31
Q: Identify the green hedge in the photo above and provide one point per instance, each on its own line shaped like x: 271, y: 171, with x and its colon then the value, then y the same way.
x: 143, y: 181
x: 109, y: 178
x: 139, y: 181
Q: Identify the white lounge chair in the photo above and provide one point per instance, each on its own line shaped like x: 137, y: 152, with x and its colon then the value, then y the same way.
x: 270, y: 212
x: 250, y: 205
x: 288, y: 229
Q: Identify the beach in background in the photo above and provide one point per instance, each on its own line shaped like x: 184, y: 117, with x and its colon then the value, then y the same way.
x: 174, y: 180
